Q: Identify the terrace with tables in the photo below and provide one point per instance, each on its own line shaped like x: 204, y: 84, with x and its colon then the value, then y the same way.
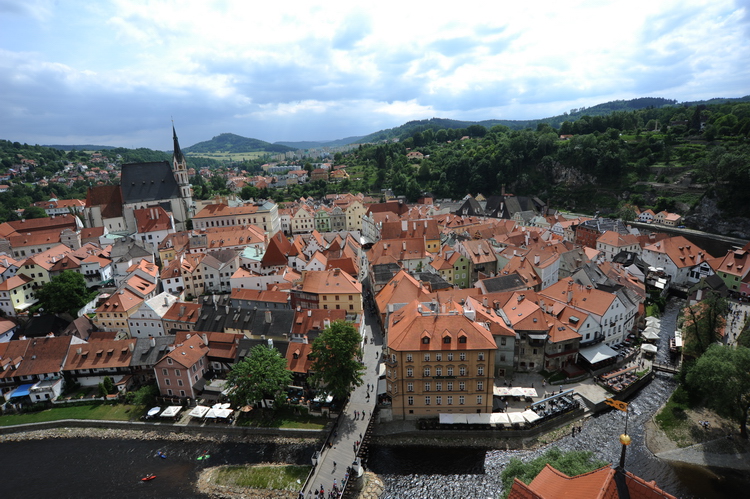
x: 619, y: 379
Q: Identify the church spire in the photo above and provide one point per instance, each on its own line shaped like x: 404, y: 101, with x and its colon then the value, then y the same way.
x: 178, y: 158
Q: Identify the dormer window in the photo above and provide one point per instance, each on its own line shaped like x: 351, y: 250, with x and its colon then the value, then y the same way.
x: 462, y: 339
x: 426, y: 340
x: 447, y: 340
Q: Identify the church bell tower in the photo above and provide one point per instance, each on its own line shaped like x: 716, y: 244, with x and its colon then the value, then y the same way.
x: 179, y: 169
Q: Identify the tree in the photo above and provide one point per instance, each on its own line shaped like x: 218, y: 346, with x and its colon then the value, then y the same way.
x: 34, y: 212
x: 335, y: 368
x: 261, y: 375
x: 571, y: 463
x: 721, y: 377
x: 703, y: 324
x: 66, y: 292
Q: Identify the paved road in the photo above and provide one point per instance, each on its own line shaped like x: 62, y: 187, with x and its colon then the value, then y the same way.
x: 334, y: 459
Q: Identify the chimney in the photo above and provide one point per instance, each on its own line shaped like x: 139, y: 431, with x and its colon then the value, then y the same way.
x: 403, y: 245
x: 166, y: 301
x: 268, y: 317
x: 570, y: 291
x: 205, y: 338
x: 226, y: 309
x: 484, y: 302
x: 326, y: 323
x: 404, y: 225
x: 309, y: 313
x: 152, y: 341
x: 536, y: 259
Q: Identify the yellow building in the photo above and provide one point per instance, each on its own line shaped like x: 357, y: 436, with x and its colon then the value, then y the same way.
x: 331, y: 289
x: 113, y: 314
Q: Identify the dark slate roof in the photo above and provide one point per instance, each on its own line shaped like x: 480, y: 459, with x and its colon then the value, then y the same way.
x: 436, y: 280
x: 142, y: 182
x: 144, y: 355
x: 42, y: 325
x: 384, y: 272
x: 509, y: 282
x: 243, y: 316
x: 109, y: 197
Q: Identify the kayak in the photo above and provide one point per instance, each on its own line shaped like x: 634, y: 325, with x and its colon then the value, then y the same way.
x: 204, y: 456
x: 162, y: 455
x: 147, y: 478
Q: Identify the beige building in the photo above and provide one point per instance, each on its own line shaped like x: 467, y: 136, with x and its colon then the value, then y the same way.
x: 438, y: 363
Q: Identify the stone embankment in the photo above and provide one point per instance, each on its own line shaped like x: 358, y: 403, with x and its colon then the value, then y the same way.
x: 141, y: 434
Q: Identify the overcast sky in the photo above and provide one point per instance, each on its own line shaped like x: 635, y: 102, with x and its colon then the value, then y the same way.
x: 116, y: 72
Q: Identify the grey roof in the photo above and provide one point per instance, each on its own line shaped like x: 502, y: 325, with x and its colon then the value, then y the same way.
x: 142, y: 182
x: 436, y: 280
x: 243, y: 316
x: 42, y: 325
x: 127, y: 248
x: 509, y: 282
x: 145, y: 355
x: 384, y: 272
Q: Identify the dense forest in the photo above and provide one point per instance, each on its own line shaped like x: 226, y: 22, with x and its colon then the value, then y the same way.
x: 229, y: 142
x: 608, y: 162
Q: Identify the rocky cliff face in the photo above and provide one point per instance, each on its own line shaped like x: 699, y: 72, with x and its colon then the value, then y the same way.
x: 709, y: 218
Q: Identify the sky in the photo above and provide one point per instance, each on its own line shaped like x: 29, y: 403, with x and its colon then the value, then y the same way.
x: 117, y: 72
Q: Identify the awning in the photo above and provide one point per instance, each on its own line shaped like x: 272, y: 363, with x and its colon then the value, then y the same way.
x: 648, y: 348
x: 500, y: 391
x: 597, y: 353
x: 171, y: 411
x: 21, y: 391
x: 516, y: 417
x: 199, y: 411
x: 459, y: 418
x: 516, y: 391
x: 154, y: 411
x: 537, y: 336
x: 499, y: 418
x: 381, y: 387
x: 530, y: 415
x: 529, y: 392
x: 652, y: 321
x: 649, y: 335
x: 481, y: 418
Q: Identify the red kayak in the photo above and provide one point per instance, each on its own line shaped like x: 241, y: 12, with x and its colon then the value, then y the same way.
x: 147, y: 478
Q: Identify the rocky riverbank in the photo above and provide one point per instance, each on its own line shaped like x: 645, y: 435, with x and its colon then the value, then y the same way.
x: 139, y: 434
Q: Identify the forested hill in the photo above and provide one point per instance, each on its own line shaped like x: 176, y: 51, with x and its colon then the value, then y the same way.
x: 231, y: 143
x: 314, y: 144
x: 607, y: 108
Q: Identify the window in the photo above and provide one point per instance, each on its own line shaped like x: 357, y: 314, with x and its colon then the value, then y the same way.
x: 447, y: 340
x: 410, y: 387
x: 462, y: 356
x: 450, y: 371
x: 177, y: 372
x: 462, y: 339
x: 480, y: 370
x: 462, y: 385
x: 167, y: 382
x: 439, y: 387
x: 408, y: 357
x: 438, y: 357
x: 438, y: 400
x: 450, y: 356
x: 479, y: 400
x: 179, y: 382
x: 427, y: 400
x: 438, y: 371
x: 409, y: 372
x: 480, y: 386
x: 425, y: 341
x: 450, y: 386
x: 427, y: 357
x: 503, y: 341
x: 461, y: 400
x: 427, y: 387
x: 169, y: 361
x: 164, y: 372
x: 462, y: 371
x: 426, y: 371
x: 480, y: 356
x: 169, y: 392
x: 450, y: 400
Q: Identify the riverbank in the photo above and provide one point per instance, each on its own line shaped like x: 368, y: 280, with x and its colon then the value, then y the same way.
x: 207, y: 484
x: 718, y: 446
x: 143, y: 434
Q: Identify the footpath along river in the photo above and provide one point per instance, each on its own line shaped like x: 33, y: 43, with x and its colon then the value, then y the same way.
x: 421, y: 472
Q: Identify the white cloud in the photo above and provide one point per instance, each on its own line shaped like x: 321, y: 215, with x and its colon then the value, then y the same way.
x: 238, y: 64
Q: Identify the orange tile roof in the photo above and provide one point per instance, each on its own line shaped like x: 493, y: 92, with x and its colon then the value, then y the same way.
x: 189, y: 352
x: 100, y: 354
x: 586, y: 298
x: 408, y: 328
x: 329, y: 281
x: 682, y: 252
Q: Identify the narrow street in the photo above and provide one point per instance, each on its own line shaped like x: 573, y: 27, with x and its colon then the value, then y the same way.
x: 344, y: 442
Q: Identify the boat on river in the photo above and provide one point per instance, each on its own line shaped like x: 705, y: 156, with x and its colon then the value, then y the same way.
x: 148, y: 477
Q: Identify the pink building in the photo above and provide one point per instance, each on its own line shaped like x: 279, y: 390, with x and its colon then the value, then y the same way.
x: 180, y: 370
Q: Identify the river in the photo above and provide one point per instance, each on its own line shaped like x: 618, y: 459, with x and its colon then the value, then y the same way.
x: 471, y: 473
x: 84, y: 468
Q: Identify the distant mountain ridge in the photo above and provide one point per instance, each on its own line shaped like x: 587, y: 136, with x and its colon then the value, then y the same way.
x: 230, y: 142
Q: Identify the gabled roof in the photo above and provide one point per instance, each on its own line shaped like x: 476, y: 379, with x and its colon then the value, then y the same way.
x: 152, y: 219
x: 597, y: 484
x: 277, y: 251
x: 411, y: 324
x: 144, y: 182
x: 681, y: 251
x: 329, y: 281
x: 100, y: 354
x: 188, y: 352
